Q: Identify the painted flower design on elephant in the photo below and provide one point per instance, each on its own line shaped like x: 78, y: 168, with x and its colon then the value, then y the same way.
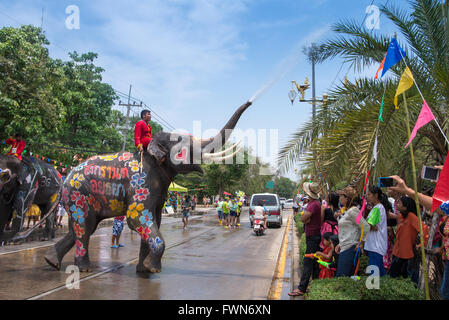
x: 134, y: 210
x: 80, y: 166
x: 77, y: 214
x: 92, y: 201
x: 135, y: 167
x: 76, y: 181
x: 80, y: 251
x: 155, y: 243
x: 109, y: 157
x: 144, y: 232
x: 65, y: 195
x: 141, y: 194
x: 117, y: 206
x: 79, y: 231
x: 53, y: 198
x: 138, y: 179
x: 125, y: 157
x: 146, y: 218
x: 79, y: 199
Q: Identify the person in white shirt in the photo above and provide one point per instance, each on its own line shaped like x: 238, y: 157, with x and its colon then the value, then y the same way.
x: 259, y: 213
x: 377, y: 244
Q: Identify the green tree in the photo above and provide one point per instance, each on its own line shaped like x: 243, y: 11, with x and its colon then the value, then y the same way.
x: 342, y: 135
x: 27, y: 104
x: 284, y: 187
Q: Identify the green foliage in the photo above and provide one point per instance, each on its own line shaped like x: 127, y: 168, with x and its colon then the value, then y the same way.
x: 302, y: 249
x: 345, y: 288
x: 61, y: 108
x: 284, y: 187
x: 225, y: 177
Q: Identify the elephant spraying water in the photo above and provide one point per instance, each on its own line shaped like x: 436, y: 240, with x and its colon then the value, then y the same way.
x: 134, y: 185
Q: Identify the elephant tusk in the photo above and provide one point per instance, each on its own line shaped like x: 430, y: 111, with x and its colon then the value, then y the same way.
x: 224, y: 158
x: 217, y: 154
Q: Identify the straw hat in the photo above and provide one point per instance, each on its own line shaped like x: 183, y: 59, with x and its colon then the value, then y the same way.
x: 311, y: 189
x: 349, y: 192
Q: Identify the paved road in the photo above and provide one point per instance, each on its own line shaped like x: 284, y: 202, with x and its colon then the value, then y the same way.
x: 204, y: 262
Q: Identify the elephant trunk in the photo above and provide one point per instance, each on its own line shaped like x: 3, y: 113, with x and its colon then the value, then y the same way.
x: 221, y: 138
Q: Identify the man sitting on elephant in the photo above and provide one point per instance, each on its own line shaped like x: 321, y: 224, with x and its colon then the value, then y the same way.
x: 142, y: 131
x: 17, y: 146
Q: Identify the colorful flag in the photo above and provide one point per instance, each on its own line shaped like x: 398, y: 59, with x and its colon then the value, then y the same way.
x: 441, y: 194
x: 375, y: 149
x: 394, y: 55
x: 381, y: 111
x: 359, y: 216
x: 425, y: 116
x: 405, y: 83
x: 381, y: 66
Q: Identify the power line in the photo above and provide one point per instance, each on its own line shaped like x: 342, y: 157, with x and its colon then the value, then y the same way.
x: 161, y: 119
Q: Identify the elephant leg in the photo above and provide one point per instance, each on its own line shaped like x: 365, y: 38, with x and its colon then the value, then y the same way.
x: 152, y: 246
x: 82, y: 246
x: 144, y: 251
x: 57, y: 252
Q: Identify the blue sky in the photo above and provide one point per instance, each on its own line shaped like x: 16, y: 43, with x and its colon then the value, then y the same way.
x: 194, y: 60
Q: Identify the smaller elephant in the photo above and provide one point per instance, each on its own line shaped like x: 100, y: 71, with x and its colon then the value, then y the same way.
x: 23, y: 183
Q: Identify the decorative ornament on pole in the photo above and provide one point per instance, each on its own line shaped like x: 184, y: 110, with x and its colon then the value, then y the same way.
x: 292, y: 94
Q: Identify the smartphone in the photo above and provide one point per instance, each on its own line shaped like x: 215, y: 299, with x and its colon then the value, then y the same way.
x: 430, y: 173
x: 385, y: 182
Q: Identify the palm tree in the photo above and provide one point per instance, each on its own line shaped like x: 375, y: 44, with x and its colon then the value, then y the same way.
x: 343, y: 132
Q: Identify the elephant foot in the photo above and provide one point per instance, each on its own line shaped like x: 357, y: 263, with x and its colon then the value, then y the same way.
x: 155, y: 266
x: 85, y: 269
x: 141, y: 268
x: 55, y: 265
x: 83, y: 264
x: 155, y: 270
x: 51, y: 257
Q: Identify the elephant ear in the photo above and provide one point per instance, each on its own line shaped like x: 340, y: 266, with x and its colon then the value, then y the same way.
x: 158, y: 151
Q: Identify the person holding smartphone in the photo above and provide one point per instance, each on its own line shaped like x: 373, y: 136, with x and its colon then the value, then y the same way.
x: 443, y: 210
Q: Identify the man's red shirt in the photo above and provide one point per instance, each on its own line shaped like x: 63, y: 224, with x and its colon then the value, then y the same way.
x: 142, y: 134
x: 17, y: 147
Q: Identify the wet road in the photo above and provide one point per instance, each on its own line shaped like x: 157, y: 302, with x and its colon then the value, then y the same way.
x: 204, y: 262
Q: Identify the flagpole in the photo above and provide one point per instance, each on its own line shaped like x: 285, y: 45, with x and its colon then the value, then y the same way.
x: 418, y: 209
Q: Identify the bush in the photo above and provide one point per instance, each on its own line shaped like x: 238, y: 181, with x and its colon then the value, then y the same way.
x: 345, y: 288
x: 299, y: 225
x: 302, y: 250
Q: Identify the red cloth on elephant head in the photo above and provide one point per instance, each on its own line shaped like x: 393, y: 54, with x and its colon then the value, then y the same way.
x: 142, y: 134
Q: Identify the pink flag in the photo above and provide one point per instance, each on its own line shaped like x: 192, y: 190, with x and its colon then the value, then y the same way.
x: 424, y: 118
x: 359, y: 216
x: 441, y: 193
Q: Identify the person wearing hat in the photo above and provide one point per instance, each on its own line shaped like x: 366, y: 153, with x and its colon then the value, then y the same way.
x: 312, y: 225
x: 349, y: 232
x: 17, y: 146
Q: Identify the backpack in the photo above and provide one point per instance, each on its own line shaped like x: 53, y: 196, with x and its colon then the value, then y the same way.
x: 329, y: 226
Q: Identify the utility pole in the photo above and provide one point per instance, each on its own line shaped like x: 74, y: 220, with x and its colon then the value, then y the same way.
x: 128, y: 105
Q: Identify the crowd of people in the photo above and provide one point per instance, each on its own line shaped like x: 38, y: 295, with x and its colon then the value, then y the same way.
x: 387, y: 232
x: 228, y: 211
